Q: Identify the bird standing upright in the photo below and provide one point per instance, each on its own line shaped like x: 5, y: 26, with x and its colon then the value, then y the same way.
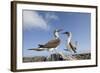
x: 70, y: 46
x: 50, y: 45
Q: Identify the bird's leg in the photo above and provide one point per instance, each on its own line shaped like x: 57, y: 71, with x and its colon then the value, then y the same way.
x: 50, y: 53
x: 51, y: 56
x: 55, y: 51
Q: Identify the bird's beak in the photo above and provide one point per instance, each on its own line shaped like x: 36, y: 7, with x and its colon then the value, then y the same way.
x: 65, y: 33
x: 59, y: 30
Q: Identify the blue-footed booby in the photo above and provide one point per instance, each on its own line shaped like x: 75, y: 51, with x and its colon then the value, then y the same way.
x: 70, y: 46
x: 50, y: 45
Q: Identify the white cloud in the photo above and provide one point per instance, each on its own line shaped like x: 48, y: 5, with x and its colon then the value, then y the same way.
x: 32, y: 19
x: 50, y: 16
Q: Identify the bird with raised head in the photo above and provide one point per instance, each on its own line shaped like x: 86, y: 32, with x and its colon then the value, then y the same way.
x: 70, y: 46
x: 51, y: 44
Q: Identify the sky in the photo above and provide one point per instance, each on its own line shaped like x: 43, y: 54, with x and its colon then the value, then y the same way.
x: 38, y: 27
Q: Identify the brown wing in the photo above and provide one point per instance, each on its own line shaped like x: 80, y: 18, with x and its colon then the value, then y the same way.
x: 52, y: 43
x: 72, y: 47
x: 73, y: 44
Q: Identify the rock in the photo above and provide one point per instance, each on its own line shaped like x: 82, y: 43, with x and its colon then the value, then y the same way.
x: 55, y: 57
x: 34, y: 59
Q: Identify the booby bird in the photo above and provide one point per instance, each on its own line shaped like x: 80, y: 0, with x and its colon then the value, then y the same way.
x: 50, y: 45
x: 70, y: 46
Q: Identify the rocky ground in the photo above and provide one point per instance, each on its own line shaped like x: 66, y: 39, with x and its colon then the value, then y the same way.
x: 57, y: 57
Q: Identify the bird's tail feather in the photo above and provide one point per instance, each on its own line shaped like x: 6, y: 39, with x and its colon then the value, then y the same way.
x: 32, y: 49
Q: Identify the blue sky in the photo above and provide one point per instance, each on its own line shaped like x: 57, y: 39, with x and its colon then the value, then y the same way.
x: 39, y: 25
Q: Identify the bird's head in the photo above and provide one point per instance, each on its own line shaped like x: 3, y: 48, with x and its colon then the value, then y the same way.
x: 65, y: 33
x: 56, y: 32
x: 68, y: 33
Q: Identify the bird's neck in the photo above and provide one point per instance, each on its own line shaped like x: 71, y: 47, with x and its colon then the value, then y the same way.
x: 56, y: 35
x: 69, y: 38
